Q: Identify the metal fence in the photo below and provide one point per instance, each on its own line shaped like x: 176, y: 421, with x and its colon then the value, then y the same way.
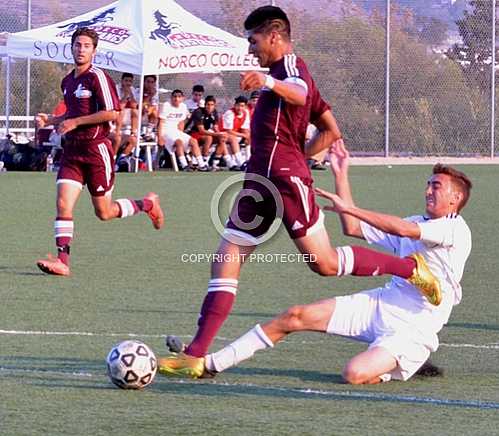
x: 424, y: 88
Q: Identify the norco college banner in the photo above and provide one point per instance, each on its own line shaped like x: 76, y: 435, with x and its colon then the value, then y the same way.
x: 141, y: 37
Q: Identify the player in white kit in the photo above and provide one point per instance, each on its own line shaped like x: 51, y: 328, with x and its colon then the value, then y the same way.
x: 172, y: 117
x: 397, y: 322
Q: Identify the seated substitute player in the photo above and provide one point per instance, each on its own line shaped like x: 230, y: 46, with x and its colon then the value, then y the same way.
x: 91, y: 101
x: 399, y: 325
x: 236, y: 123
x: 287, y: 103
x: 172, y: 136
x: 150, y: 106
x: 196, y: 101
x: 204, y: 128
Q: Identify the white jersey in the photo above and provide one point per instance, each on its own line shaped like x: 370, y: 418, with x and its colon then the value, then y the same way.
x: 173, y: 115
x: 445, y: 244
x: 193, y: 105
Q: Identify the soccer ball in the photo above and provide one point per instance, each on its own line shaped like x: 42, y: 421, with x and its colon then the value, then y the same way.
x: 131, y: 365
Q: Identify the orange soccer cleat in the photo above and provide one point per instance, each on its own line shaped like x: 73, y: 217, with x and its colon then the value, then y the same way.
x: 53, y: 265
x: 156, y: 213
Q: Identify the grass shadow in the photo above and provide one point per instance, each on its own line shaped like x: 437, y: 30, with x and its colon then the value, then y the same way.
x: 309, y: 376
x: 9, y: 270
x: 473, y: 326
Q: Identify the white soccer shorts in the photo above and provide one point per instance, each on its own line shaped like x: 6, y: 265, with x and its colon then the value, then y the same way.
x: 173, y: 135
x: 361, y: 317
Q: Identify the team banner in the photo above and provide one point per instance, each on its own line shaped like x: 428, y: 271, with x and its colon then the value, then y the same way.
x: 141, y: 37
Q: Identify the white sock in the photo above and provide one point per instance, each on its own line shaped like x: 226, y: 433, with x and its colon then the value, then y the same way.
x: 239, y: 158
x: 228, y: 160
x: 345, y: 260
x: 183, y: 161
x: 200, y: 160
x: 241, y: 349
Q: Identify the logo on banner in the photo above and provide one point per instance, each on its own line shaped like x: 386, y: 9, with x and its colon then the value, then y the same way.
x: 181, y: 39
x: 108, y: 33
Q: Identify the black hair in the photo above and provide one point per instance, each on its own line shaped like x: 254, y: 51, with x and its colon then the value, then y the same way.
x: 125, y: 75
x: 241, y: 99
x: 267, y: 18
x: 177, y: 91
x: 198, y: 88
x: 210, y: 98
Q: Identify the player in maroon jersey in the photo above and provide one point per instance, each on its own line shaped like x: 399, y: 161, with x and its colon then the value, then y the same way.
x: 91, y: 101
x: 289, y: 100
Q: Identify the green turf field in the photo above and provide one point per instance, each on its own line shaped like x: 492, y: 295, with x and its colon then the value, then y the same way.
x: 129, y: 279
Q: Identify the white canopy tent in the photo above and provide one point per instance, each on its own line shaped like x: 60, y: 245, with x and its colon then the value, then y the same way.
x: 141, y: 37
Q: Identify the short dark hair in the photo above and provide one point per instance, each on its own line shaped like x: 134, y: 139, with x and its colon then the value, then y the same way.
x: 149, y: 76
x: 198, y: 88
x: 210, y: 98
x: 241, y: 99
x: 255, y: 94
x: 268, y: 18
x: 85, y: 31
x: 177, y: 91
x: 459, y: 179
x: 125, y: 75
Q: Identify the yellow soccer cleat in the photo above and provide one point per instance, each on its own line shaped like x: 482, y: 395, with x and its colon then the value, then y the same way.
x: 425, y: 281
x: 181, y: 365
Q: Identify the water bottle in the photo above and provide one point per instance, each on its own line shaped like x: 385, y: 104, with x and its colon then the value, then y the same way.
x: 50, y: 163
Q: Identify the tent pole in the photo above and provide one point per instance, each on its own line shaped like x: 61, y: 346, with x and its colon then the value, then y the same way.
x: 7, y: 96
x: 28, y: 73
x: 139, y: 124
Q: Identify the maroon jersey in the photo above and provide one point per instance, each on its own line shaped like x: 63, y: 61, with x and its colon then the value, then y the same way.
x: 90, y: 92
x: 278, y: 128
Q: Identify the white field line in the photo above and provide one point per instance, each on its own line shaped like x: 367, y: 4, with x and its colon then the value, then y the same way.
x: 491, y: 346
x: 344, y: 395
x: 41, y: 371
x: 373, y: 396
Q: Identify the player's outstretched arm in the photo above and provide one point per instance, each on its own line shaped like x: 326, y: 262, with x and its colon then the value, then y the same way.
x: 387, y: 223
x: 339, y: 158
x: 291, y: 92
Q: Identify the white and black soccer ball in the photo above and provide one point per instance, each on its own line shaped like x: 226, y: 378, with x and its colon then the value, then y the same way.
x: 131, y: 365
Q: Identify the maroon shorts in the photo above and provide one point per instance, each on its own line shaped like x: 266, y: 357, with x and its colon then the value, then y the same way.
x: 94, y: 167
x: 256, y: 208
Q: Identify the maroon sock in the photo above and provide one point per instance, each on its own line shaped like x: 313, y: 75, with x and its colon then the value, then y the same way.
x: 144, y: 205
x: 367, y: 262
x: 214, y: 311
x: 62, y: 238
x: 63, y: 252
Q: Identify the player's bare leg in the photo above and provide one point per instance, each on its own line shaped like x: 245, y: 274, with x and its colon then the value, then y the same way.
x: 180, y: 153
x: 67, y: 196
x: 235, y: 149
x: 325, y: 258
x: 364, y: 368
x: 207, y: 141
x: 307, y: 317
x: 368, y: 366
x: 106, y: 209
x: 196, y: 152
x: 216, y: 307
